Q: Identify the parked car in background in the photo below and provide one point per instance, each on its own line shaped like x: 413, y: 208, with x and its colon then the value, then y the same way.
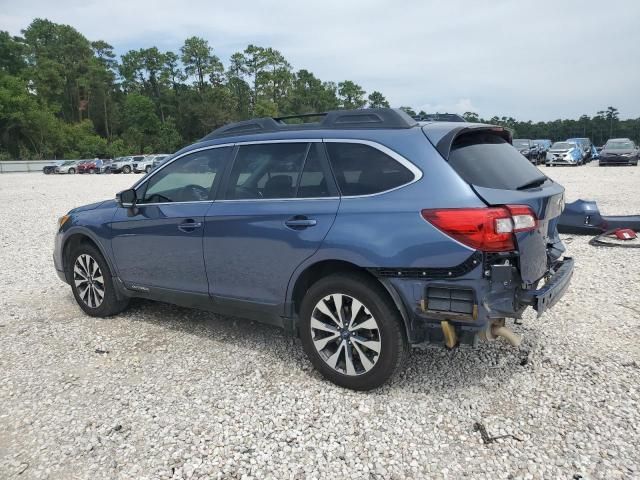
x: 586, y: 147
x: 529, y: 149
x: 564, y: 153
x: 469, y: 229
x: 159, y: 160
x: 88, y: 166
x: 619, y: 151
x: 440, y: 117
x: 124, y: 164
x: 51, y: 168
x: 146, y: 164
x: 543, y: 146
x: 69, y: 166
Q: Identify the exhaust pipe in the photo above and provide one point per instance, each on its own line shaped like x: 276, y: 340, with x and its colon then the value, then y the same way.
x: 498, y: 329
x: 507, y: 334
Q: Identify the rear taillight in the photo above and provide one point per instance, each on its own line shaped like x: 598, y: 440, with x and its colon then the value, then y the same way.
x: 488, y: 229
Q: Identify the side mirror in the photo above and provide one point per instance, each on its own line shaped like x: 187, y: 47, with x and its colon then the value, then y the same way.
x: 126, y: 198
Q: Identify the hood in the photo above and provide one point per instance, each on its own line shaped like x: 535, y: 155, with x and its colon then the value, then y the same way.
x: 561, y: 150
x: 93, y: 206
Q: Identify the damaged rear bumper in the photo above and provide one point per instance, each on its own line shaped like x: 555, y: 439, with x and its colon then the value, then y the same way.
x: 553, y: 290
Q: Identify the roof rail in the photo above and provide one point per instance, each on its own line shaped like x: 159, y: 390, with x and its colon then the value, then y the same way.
x: 336, y: 119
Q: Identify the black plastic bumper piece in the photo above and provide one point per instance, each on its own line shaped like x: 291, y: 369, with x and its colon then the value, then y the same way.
x: 547, y: 296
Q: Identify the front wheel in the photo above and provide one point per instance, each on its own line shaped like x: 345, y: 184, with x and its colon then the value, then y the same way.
x: 126, y: 169
x: 92, y: 283
x: 147, y: 169
x: 352, y: 332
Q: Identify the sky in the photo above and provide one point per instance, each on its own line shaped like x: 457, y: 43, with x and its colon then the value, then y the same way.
x: 533, y: 60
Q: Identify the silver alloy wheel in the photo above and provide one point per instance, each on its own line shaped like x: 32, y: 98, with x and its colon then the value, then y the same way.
x: 88, y: 279
x: 345, y: 334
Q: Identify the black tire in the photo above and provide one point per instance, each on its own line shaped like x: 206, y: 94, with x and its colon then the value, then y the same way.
x: 394, y: 347
x: 72, y: 171
x: 147, y: 169
x: 92, y: 171
x: 126, y: 169
x: 110, y: 304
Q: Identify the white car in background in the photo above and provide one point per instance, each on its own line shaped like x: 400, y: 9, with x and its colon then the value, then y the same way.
x: 124, y: 164
x: 146, y: 164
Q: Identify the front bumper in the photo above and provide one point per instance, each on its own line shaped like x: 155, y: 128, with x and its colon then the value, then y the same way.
x: 560, y: 161
x: 618, y: 161
x: 553, y: 290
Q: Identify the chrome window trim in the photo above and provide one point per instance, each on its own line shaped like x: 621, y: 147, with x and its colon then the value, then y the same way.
x: 147, y: 177
x: 233, y: 200
x: 139, y: 205
x: 417, y: 173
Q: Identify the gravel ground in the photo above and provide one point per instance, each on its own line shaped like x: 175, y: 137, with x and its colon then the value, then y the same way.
x: 165, y: 392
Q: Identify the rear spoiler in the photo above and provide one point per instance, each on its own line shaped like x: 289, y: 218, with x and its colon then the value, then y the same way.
x: 443, y: 134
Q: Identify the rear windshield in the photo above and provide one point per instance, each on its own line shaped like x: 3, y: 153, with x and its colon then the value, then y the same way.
x: 488, y: 160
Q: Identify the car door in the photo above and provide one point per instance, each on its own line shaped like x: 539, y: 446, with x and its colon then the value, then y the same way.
x: 277, y: 205
x: 158, y: 243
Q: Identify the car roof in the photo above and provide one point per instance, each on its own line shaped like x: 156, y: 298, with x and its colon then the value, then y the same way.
x: 370, y: 118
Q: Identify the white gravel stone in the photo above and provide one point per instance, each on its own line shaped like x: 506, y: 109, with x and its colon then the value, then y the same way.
x: 188, y: 394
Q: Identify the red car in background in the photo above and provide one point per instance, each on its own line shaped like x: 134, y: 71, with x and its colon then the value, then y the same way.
x: 92, y: 166
x: 88, y: 166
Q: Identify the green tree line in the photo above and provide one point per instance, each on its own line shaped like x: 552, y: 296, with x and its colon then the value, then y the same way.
x: 599, y: 128
x: 64, y: 96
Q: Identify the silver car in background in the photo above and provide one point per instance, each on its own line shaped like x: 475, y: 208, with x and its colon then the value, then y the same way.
x: 565, y: 153
x: 70, y: 167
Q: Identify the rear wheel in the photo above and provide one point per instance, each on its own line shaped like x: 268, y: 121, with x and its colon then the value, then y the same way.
x: 352, y: 332
x: 92, y: 283
x: 147, y: 169
x: 72, y: 171
x: 126, y: 169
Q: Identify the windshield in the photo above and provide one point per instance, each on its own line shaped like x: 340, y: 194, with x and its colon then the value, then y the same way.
x: 563, y: 146
x: 619, y: 146
x: 69, y: 162
x: 521, y: 143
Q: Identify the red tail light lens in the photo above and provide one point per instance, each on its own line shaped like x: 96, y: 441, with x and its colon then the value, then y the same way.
x: 487, y: 229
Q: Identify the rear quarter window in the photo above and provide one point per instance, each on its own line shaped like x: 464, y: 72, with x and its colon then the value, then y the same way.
x: 361, y: 169
x: 488, y: 160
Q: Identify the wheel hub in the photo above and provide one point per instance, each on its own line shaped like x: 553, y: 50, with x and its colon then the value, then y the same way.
x: 88, y: 280
x: 345, y: 334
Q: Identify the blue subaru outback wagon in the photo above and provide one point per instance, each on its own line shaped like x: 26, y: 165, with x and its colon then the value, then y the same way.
x: 363, y: 233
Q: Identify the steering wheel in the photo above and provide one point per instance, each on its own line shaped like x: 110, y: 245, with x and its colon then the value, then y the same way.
x: 195, y: 192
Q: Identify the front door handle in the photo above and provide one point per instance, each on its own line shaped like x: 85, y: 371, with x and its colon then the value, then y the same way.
x: 300, y: 221
x: 189, y: 225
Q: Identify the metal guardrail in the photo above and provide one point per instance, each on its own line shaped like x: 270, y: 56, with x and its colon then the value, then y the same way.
x: 10, y: 166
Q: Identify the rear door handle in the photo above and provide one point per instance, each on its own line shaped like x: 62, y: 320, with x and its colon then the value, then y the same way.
x: 189, y: 225
x: 300, y: 221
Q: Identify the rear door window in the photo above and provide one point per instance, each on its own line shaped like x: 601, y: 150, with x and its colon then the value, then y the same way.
x: 488, y: 160
x: 364, y: 170
x: 268, y: 170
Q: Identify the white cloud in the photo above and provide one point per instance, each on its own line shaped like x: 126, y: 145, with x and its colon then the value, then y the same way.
x: 529, y: 59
